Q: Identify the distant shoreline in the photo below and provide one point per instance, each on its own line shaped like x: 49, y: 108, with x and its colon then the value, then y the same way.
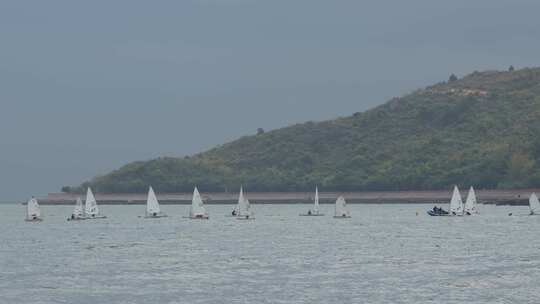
x: 484, y: 196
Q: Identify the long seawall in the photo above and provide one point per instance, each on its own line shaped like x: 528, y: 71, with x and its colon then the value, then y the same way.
x: 485, y: 196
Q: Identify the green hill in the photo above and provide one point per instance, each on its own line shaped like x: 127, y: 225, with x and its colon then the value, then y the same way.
x: 479, y: 130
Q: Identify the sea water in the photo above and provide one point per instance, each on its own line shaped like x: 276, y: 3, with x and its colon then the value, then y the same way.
x: 383, y: 254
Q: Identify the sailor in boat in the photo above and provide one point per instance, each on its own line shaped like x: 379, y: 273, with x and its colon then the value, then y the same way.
x: 233, y: 212
x: 154, y: 214
x: 344, y: 215
x: 309, y: 212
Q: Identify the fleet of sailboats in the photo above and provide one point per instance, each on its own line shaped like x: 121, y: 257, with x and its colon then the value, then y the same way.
x: 243, y: 211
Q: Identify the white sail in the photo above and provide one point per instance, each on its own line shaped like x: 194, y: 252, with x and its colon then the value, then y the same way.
x: 470, y: 203
x: 197, y: 207
x: 456, y: 204
x: 236, y: 209
x: 316, y: 203
x: 90, y: 206
x: 341, y: 208
x: 534, y: 204
x: 78, y: 210
x: 152, y: 204
x: 244, y: 207
x: 32, y: 209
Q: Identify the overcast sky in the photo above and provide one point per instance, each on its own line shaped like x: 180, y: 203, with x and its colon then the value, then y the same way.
x: 88, y: 86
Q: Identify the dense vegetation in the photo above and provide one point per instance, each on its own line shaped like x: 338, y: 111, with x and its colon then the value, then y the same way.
x: 479, y: 130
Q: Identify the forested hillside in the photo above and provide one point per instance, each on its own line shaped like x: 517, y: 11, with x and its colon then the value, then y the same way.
x: 480, y: 130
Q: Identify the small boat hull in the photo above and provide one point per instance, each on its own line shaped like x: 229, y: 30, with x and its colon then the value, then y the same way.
x: 76, y: 219
x: 203, y: 217
x: 342, y: 217
x: 307, y: 214
x: 95, y: 217
x: 34, y: 220
x: 154, y: 216
x: 432, y: 213
x: 245, y: 218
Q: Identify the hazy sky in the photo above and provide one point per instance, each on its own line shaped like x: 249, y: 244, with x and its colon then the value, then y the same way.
x: 87, y: 86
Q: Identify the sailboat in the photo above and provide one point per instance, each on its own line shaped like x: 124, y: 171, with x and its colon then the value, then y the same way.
x: 152, y: 206
x: 78, y: 212
x: 244, y: 208
x: 197, y: 210
x: 315, y: 210
x: 341, y: 208
x: 237, y: 206
x: 470, y: 203
x: 534, y: 204
x: 91, y: 210
x: 33, y: 213
x: 456, y: 204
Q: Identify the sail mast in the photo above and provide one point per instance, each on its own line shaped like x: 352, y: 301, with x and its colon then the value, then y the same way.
x: 316, y: 203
